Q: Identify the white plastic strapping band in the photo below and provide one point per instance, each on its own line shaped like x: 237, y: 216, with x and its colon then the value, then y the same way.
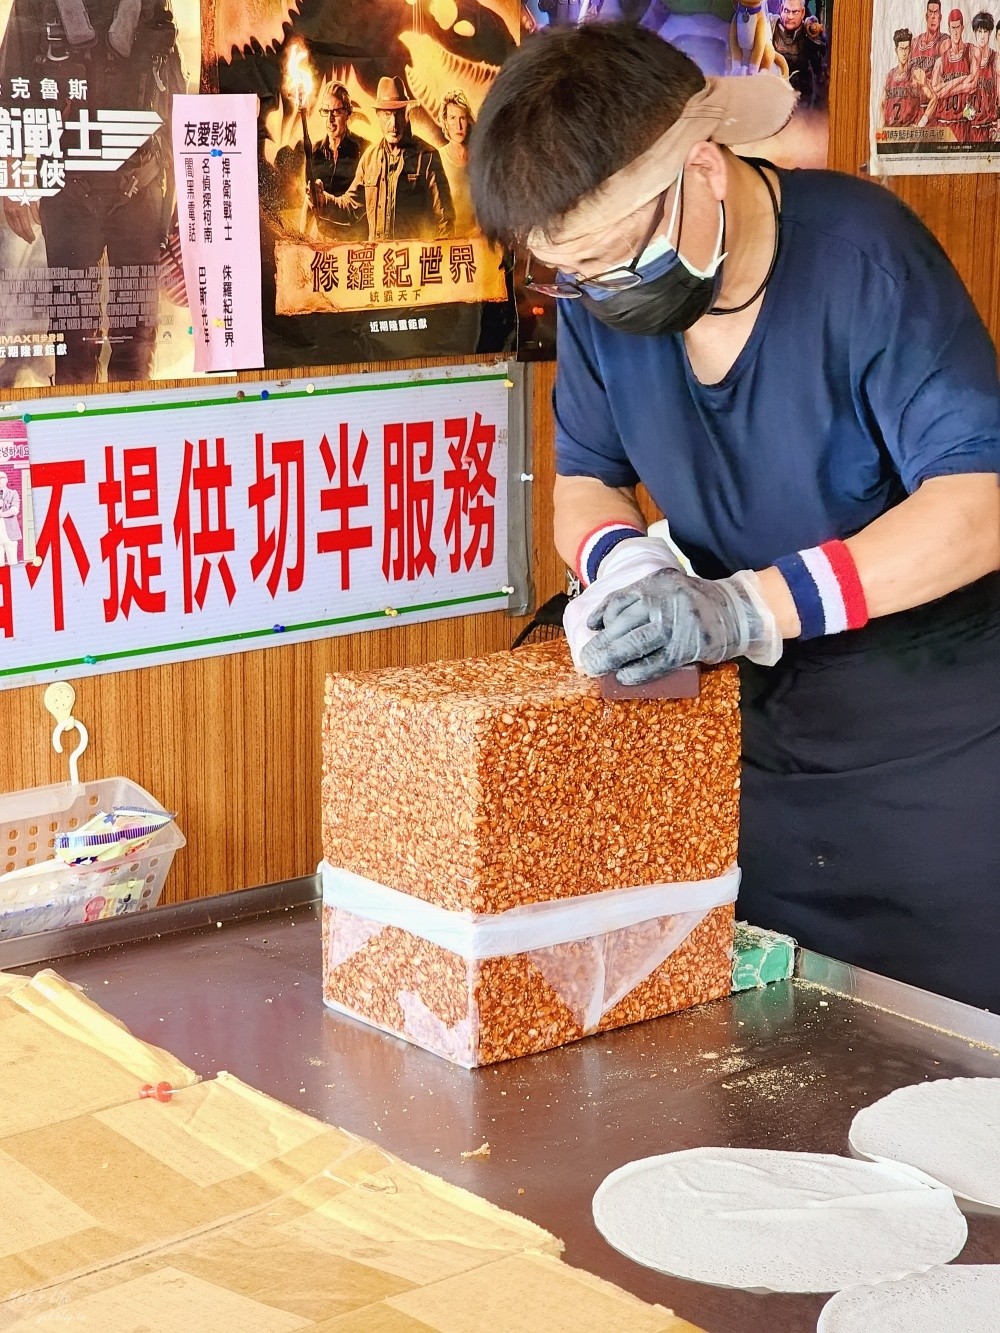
x: 475, y: 935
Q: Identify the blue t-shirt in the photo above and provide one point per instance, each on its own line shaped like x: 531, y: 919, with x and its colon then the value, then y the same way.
x: 868, y: 370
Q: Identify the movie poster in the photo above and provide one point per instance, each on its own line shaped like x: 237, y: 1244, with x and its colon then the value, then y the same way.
x: 934, y: 104
x: 369, y: 247
x: 785, y: 38
x: 89, y: 284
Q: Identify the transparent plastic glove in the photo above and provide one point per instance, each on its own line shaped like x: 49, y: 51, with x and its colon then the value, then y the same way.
x: 623, y: 566
x: 669, y: 619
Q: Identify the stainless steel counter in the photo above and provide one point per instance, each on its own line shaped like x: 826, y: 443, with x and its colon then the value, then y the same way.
x: 784, y: 1067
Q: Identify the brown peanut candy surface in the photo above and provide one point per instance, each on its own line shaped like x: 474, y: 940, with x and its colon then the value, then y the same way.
x: 504, y: 780
x: 496, y: 1009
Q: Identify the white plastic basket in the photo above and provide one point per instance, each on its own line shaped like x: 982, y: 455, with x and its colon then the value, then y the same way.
x: 30, y: 822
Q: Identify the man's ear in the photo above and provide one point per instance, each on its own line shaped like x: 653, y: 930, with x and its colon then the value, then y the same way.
x: 708, y: 161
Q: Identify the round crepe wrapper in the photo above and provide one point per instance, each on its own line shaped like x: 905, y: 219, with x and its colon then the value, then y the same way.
x: 948, y: 1128
x: 763, y: 1221
x: 964, y: 1296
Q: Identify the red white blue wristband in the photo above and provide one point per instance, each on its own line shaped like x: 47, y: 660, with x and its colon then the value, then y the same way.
x: 599, y: 543
x: 825, y: 588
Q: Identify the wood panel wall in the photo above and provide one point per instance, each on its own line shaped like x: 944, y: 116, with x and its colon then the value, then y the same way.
x: 962, y: 211
x: 233, y: 742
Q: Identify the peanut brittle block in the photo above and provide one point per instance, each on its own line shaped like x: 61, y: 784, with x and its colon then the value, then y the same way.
x: 491, y: 791
x: 483, y: 784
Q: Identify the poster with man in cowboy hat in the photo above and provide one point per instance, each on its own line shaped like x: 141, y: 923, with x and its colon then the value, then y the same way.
x: 387, y: 262
x: 400, y: 182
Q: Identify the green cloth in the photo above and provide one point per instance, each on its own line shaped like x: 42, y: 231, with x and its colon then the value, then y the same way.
x: 760, y: 956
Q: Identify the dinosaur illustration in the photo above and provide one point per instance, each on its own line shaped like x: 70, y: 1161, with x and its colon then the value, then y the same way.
x: 239, y: 24
x: 471, y: 30
x: 433, y: 70
x: 435, y: 45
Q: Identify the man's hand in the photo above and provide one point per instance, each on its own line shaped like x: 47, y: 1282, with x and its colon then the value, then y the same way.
x: 623, y: 567
x: 316, y: 196
x: 670, y: 619
x: 21, y: 218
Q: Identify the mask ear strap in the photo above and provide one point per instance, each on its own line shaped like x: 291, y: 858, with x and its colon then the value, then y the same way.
x: 720, y: 252
x: 720, y: 240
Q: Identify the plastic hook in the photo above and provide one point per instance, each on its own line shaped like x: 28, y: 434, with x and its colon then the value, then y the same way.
x: 59, y: 699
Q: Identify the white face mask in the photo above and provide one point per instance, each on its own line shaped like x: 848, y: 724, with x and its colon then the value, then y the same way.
x: 672, y: 295
x: 663, y: 245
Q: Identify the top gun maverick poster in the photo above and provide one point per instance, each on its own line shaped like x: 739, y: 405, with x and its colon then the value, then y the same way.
x: 88, y: 289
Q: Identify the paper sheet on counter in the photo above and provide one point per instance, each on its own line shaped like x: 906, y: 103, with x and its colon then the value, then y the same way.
x: 224, y: 1209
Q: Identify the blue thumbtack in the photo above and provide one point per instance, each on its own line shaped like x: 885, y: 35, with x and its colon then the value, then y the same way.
x: 278, y: 629
x: 216, y: 152
x: 264, y: 393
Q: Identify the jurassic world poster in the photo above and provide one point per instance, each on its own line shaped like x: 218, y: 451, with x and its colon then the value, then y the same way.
x: 369, y: 246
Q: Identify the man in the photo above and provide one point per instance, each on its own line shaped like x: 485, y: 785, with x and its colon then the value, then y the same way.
x: 336, y: 156
x: 849, y: 563
x: 114, y: 55
x: 457, y: 121
x: 952, y: 80
x: 983, y: 97
x: 802, y: 48
x: 905, y: 86
x: 400, y: 184
x: 927, y: 47
x: 335, y: 161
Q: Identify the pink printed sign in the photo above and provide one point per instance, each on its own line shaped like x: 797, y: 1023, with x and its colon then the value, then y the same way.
x: 215, y: 165
x: 16, y: 534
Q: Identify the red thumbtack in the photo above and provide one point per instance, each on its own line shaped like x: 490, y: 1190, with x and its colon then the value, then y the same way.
x: 162, y: 1092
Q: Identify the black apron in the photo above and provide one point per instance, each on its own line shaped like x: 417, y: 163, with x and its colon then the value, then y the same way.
x: 870, y: 812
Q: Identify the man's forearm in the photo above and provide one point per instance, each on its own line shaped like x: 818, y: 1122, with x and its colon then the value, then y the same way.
x: 582, y: 504
x: 944, y: 536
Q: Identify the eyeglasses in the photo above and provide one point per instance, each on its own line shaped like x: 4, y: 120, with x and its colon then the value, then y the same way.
x: 337, y: 111
x: 612, y: 280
